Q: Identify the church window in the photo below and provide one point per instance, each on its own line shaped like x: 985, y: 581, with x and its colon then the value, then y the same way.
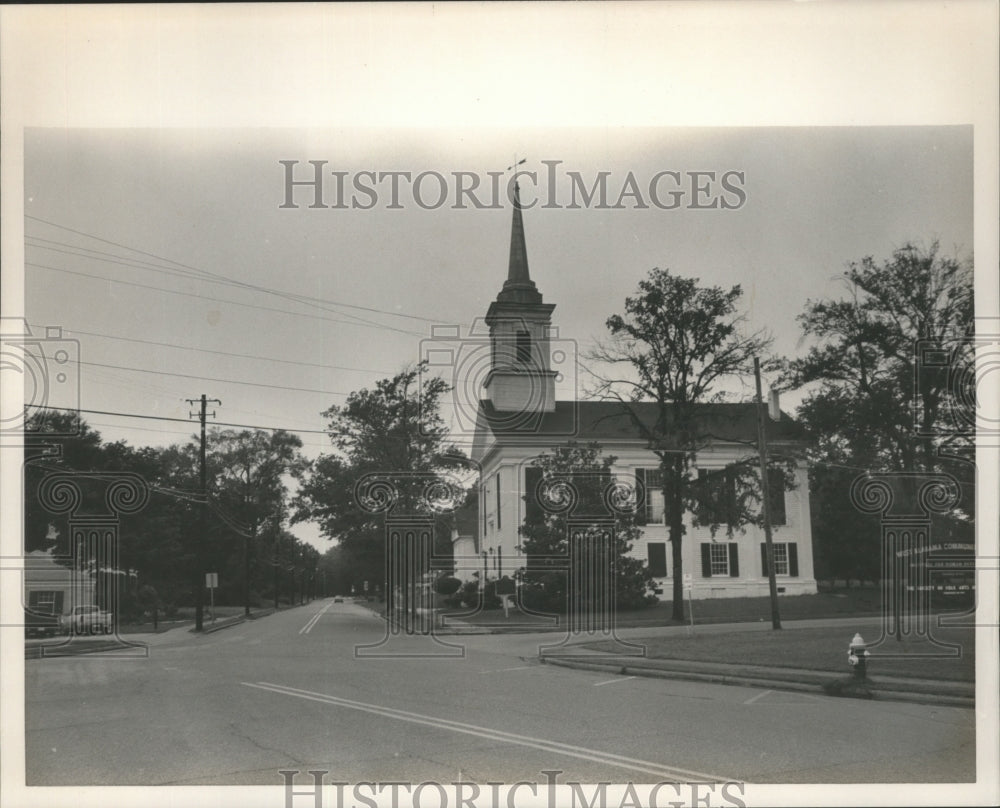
x: 523, y: 347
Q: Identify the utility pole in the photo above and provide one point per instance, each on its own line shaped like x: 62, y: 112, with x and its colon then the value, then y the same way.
x: 199, y: 610
x: 766, y: 497
x: 246, y: 567
x: 277, y: 559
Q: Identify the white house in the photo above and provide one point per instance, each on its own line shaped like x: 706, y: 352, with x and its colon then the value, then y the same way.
x: 519, y: 418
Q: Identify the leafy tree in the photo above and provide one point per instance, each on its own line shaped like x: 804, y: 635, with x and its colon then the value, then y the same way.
x: 676, y: 344
x: 249, y: 472
x: 545, y: 531
x: 877, y: 405
x: 154, y: 542
x: 392, y: 430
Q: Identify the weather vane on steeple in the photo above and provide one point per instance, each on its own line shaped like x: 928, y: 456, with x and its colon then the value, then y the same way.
x: 517, y: 163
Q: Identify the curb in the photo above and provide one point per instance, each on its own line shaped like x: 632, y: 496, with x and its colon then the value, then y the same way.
x: 218, y: 626
x: 742, y: 679
x: 229, y: 622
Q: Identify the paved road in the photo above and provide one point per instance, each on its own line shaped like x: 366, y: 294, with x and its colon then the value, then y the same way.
x: 288, y: 691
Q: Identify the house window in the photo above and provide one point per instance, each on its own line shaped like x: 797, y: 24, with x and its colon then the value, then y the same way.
x: 496, y: 482
x: 720, y: 559
x: 786, y: 558
x: 657, y: 553
x: 533, y: 511
x: 652, y: 510
x: 781, y: 559
x: 46, y: 602
x: 718, y: 494
x: 776, y: 496
x: 523, y: 347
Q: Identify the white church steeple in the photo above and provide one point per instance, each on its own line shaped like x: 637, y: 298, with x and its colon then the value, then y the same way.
x: 520, y: 379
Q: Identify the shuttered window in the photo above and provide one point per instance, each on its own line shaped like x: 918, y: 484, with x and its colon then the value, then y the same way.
x: 523, y: 347
x: 532, y: 509
x: 718, y: 488
x: 657, y: 553
x: 786, y: 558
x: 776, y: 496
x: 720, y: 559
x: 650, y: 510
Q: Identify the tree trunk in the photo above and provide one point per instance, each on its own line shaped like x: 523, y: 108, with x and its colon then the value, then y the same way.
x: 673, y: 481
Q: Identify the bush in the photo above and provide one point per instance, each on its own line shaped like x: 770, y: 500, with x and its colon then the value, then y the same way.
x: 453, y: 601
x: 470, y: 595
x: 447, y: 585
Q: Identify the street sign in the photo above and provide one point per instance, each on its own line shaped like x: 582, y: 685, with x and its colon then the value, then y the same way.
x: 366, y: 586
x: 689, y: 588
x: 212, y: 582
x: 505, y: 586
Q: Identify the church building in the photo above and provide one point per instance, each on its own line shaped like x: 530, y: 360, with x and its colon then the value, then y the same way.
x: 519, y: 418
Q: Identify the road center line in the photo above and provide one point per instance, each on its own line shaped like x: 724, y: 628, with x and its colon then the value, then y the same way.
x: 612, y: 681
x: 504, y: 670
x: 669, y: 773
x: 314, y: 619
x: 760, y: 695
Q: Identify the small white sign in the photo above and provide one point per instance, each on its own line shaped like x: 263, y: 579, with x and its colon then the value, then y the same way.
x: 687, y: 581
x: 212, y: 580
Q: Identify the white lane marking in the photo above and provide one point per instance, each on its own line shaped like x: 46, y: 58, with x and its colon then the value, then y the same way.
x: 672, y: 773
x: 612, y: 681
x: 314, y: 619
x: 504, y: 670
x: 760, y: 695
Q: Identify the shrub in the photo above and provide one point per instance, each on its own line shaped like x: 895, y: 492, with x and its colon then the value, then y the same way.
x: 447, y: 585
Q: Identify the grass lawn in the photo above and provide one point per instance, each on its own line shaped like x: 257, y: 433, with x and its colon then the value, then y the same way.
x: 822, y: 649
x: 184, y: 618
x: 844, y: 603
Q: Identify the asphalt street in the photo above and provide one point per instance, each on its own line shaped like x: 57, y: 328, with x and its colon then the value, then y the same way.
x: 293, y: 691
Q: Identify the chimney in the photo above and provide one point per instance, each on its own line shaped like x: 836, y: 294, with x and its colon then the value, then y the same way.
x: 773, y: 407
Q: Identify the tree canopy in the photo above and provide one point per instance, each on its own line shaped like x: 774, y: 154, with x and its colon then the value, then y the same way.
x: 678, y: 344
x: 393, y: 430
x: 887, y: 381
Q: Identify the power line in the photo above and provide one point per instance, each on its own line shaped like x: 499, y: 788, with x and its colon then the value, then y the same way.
x: 215, y: 379
x: 204, y: 276
x: 223, y: 278
x: 177, y: 420
x: 221, y: 300
x: 221, y: 353
x: 172, y: 272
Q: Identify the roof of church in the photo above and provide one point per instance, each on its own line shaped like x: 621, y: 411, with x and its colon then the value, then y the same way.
x: 607, y: 420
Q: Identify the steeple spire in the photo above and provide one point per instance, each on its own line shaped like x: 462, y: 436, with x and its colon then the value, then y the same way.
x: 518, y: 288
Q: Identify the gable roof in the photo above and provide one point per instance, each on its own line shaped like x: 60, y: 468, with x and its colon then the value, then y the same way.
x: 608, y: 421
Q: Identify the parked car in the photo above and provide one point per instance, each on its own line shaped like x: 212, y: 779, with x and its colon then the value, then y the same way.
x: 88, y: 620
x: 40, y: 624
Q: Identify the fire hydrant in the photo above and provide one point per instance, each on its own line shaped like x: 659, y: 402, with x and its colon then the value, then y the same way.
x: 857, y: 657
